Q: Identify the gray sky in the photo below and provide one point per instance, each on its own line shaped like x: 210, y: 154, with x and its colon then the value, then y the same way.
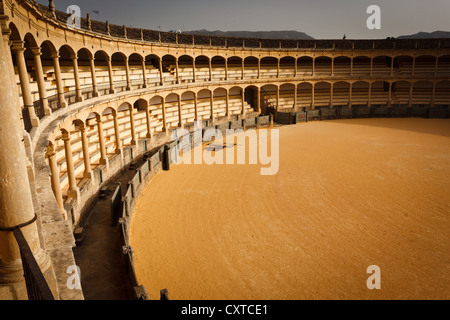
x: 321, y: 19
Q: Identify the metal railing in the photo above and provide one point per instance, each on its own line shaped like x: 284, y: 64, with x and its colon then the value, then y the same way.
x: 37, y: 286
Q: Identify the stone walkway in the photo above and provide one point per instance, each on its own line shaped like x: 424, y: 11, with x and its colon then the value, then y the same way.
x: 99, y: 255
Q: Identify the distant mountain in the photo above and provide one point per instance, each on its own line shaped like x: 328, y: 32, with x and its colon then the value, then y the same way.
x: 292, y: 35
x: 427, y: 35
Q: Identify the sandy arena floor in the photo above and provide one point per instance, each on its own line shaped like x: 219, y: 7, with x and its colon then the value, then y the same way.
x: 349, y: 194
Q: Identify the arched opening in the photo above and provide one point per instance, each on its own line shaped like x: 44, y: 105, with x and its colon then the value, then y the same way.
x: 251, y: 97
x: 220, y: 102
x: 218, y: 68
x: 361, y: 65
x: 269, y: 101
x: 137, y: 71
x: 140, y: 119
x: 341, y: 94
x: 234, y: 68
x: 322, y: 95
x: 342, y: 66
x: 287, y: 67
x: 153, y: 71
x: 84, y: 67
x: 156, y: 116
x: 269, y: 67
x: 171, y: 107
x: 400, y: 93
x: 444, y: 64
x: 304, y: 95
x: 119, y: 72
x: 185, y: 69
x: 202, y: 68
x: 169, y: 69
x: 403, y: 65
x: 102, y: 73
x: 382, y: 65
x: 360, y: 94
x: 380, y: 93
x: 322, y: 66
x: 188, y: 107
x: 204, y: 104
x: 287, y: 96
x: 425, y: 65
x: 442, y: 93
x: 250, y: 68
x: 422, y: 92
x: 305, y: 66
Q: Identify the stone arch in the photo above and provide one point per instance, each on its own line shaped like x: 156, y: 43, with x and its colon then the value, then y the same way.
x: 234, y: 67
x: 342, y: 65
x: 322, y: 65
x: 269, y: 67
x: 305, y: 66
x: 218, y: 67
x: 251, y: 67
x: 287, y: 66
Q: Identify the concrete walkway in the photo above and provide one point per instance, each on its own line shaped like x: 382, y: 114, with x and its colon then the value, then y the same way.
x: 99, y: 256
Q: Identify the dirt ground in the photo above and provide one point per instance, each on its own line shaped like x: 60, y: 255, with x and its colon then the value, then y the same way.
x: 349, y: 194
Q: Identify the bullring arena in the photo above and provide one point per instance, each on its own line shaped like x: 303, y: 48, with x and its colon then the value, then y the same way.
x: 363, y: 177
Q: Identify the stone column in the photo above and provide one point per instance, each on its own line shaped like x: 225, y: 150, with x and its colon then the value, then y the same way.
x: 101, y: 140
x: 86, y: 157
x: 370, y: 95
x: 313, y: 67
x: 259, y: 68
x: 226, y: 69
x: 127, y: 74
x: 351, y: 66
x: 331, y: 94
x: 436, y: 66
x: 73, y: 190
x: 313, y: 97
x: 144, y: 74
x: 243, y: 101
x: 332, y: 66
x: 180, y: 118
x: 16, y: 204
x: 76, y: 74
x: 392, y: 66
x: 371, y: 66
x: 413, y: 72
x: 228, y: 104
x: 350, y: 96
x: 210, y: 70
x: 278, y: 68
x: 54, y: 179
x: 296, y: 68
x: 118, y: 149
x: 133, y: 126
x: 18, y: 50
x: 278, y: 97
x: 295, y: 97
x: 94, y: 78
x: 243, y: 69
x: 164, y: 129
x: 195, y: 107
x: 111, y: 77
x: 177, y: 71
x: 40, y: 80
x: 433, y: 95
x: 390, y: 94
x: 149, y: 123
x: 59, y: 83
x: 212, y: 106
x: 258, y: 100
x: 161, y: 77
x: 193, y: 70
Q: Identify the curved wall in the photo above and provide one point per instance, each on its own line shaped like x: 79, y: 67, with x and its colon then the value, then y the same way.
x: 92, y: 100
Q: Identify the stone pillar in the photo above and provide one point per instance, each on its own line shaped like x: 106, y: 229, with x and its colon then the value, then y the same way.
x: 193, y: 70
x: 259, y: 68
x: 278, y: 68
x: 101, y: 140
x: 133, y: 126
x: 164, y: 129
x: 40, y: 80
x: 332, y: 66
x: 226, y: 69
x: 350, y: 96
x: 433, y: 95
x: 118, y: 149
x: 73, y: 190
x: 18, y: 50
x: 212, y: 106
x: 144, y: 74
x: 94, y: 78
x: 127, y: 74
x: 392, y: 66
x: 86, y: 157
x: 243, y: 69
x: 258, y: 100
x: 313, y: 97
x: 161, y: 77
x: 149, y: 123
x: 228, y: 104
x: 243, y: 101
x: 331, y: 95
x: 390, y: 94
x: 278, y: 97
x: 295, y: 97
x: 111, y: 77
x: 177, y: 71
x: 351, y: 66
x: 59, y: 83
x: 76, y: 74
x: 16, y: 204
x: 370, y: 95
x: 411, y: 93
x: 296, y: 68
x: 413, y: 72
x: 54, y: 179
x: 210, y: 70
x: 436, y: 66
x: 313, y: 67
x: 180, y: 115
x: 371, y: 66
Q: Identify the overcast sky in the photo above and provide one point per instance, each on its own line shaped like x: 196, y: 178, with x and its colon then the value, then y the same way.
x: 321, y: 19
